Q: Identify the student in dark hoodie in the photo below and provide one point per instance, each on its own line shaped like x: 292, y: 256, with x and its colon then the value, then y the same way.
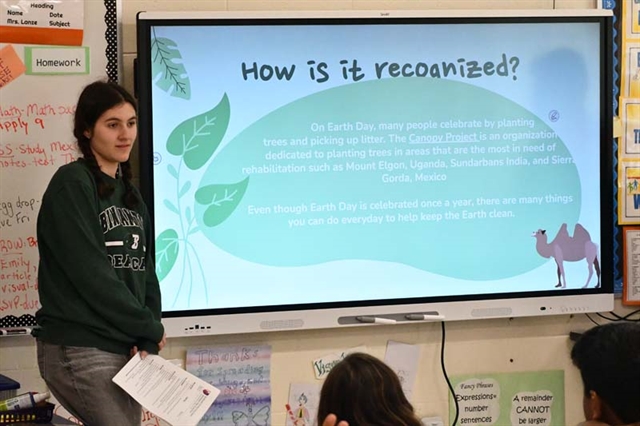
x: 608, y: 357
x: 97, y: 284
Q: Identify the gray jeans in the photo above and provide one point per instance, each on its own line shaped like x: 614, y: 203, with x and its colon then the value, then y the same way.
x: 80, y: 379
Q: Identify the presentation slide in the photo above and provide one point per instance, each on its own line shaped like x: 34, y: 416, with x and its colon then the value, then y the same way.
x: 301, y: 164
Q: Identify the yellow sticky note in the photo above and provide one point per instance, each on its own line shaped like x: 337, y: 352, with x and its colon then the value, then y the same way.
x: 635, y: 18
x: 11, y: 67
x: 617, y: 127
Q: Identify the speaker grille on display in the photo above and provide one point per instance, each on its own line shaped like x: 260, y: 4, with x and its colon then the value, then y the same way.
x: 278, y: 324
x: 491, y: 312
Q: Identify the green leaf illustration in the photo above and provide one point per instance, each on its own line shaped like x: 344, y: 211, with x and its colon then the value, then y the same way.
x: 167, y: 68
x: 197, y: 138
x: 221, y: 200
x: 172, y: 171
x: 167, y: 246
x: 184, y: 188
x: 171, y: 206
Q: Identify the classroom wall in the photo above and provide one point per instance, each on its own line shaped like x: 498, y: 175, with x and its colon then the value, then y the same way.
x: 482, y: 346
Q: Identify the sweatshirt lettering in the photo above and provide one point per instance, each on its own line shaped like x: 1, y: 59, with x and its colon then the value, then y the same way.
x: 114, y: 216
x: 124, y: 261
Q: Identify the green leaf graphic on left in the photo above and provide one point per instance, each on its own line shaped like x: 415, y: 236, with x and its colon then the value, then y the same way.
x: 167, y: 245
x: 168, y: 69
x: 197, y: 138
x: 221, y: 200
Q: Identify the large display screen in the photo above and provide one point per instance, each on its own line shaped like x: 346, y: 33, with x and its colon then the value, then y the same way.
x: 313, y: 163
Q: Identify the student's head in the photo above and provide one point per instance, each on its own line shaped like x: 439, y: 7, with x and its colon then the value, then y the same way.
x: 608, y: 357
x: 105, y: 126
x: 105, y: 123
x: 364, y: 391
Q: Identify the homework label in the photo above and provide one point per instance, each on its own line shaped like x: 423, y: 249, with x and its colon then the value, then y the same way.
x: 57, y: 60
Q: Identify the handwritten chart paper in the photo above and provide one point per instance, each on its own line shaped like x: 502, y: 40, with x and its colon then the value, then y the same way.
x: 528, y: 398
x: 242, y: 373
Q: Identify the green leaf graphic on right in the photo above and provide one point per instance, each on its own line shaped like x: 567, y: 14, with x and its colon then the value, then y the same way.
x: 167, y: 68
x: 221, y: 200
x: 197, y: 138
x: 167, y: 246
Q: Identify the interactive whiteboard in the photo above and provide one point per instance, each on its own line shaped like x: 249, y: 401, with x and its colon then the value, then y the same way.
x: 307, y: 170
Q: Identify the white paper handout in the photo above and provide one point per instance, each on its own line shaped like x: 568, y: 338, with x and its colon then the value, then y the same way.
x: 403, y: 359
x: 166, y: 390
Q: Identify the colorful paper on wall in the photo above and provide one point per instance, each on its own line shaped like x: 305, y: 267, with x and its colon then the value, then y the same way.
x: 10, y: 65
x: 631, y: 19
x: 527, y: 398
x: 242, y: 373
x: 631, y: 67
x: 629, y: 192
x: 302, y: 408
x: 630, y: 112
x: 58, y: 22
x: 628, y: 151
x: 150, y: 419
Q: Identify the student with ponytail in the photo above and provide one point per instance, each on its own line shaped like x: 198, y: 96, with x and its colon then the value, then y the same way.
x: 99, y: 293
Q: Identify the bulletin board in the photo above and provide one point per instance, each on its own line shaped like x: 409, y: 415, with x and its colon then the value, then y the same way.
x: 48, y: 52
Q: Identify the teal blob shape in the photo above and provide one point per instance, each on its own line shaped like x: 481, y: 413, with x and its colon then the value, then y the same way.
x: 490, y: 181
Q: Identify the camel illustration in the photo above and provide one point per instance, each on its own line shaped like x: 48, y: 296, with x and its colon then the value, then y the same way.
x: 571, y: 249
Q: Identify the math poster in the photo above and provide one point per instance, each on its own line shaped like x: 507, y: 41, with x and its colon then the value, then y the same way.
x: 529, y: 398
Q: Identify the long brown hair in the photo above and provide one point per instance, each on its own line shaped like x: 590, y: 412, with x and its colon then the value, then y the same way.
x: 364, y: 391
x: 95, y: 100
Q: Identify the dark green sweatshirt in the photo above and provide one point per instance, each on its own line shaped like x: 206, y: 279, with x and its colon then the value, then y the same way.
x: 96, y: 277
